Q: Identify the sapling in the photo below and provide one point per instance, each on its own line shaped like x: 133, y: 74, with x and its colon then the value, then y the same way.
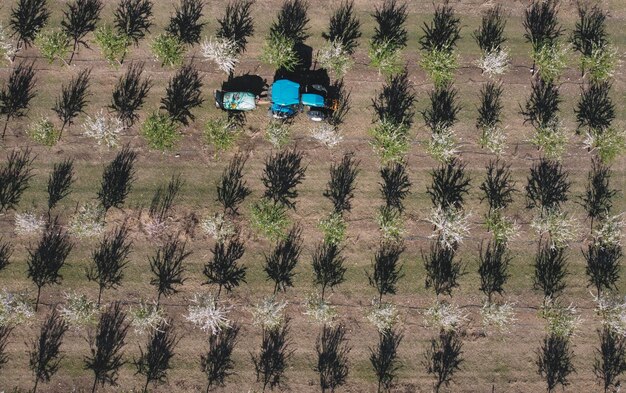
x: 27, y: 19
x: 610, y: 361
x: 73, y: 99
x: 167, y: 267
x: 105, y: 358
x: 185, y: 23
x: 217, y: 364
x: 45, y: 355
x: 390, y: 36
x: 292, y: 21
x: 110, y: 259
x: 541, y: 24
x: 438, y: 42
x: 154, y: 360
x: 490, y: 35
x: 59, y: 182
x: 444, y: 357
x: 395, y: 102
x: 80, y: 19
x: 340, y: 187
x: 281, y: 262
x: 232, y: 189
x: 384, y: 359
x: 46, y: 259
x: 490, y: 113
x: 283, y: 172
x: 443, y: 110
x: 16, y: 95
x: 183, y: 94
x: 14, y: 178
x: 591, y: 40
x: 223, y: 269
x: 130, y: 93
x: 386, y: 269
x: 332, y: 357
x: 396, y: 185
x: 542, y: 107
x: 554, y: 361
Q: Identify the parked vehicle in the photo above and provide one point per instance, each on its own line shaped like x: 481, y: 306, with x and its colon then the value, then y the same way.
x: 285, y: 96
x: 314, y: 99
x: 235, y: 101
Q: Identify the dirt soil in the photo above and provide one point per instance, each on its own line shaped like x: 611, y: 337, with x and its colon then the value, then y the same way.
x: 493, y: 362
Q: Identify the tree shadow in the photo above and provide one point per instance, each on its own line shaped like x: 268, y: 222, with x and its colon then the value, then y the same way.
x: 248, y: 83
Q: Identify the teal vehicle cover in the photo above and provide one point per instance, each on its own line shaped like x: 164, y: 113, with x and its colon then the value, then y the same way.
x: 285, y: 93
x: 314, y: 100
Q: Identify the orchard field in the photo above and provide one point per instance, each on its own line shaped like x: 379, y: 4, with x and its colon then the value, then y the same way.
x: 540, y: 252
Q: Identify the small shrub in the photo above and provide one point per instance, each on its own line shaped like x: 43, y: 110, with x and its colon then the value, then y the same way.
x: 450, y: 226
x: 205, y: 313
x: 551, y: 61
x: 442, y: 145
x: 384, y: 316
x: 390, y: 223
x: 105, y: 129
x: 223, y: 52
x: 7, y: 49
x: 391, y: 141
x: 168, y: 49
x: 502, y: 228
x: 334, y: 228
x: 269, y: 314
x: 335, y: 58
x: 221, y: 133
x: 601, y: 64
x: 440, y: 66
x: 319, y: 310
x: 278, y: 51
x: 113, y: 44
x: 44, y: 132
x: 15, y: 309
x: 326, y: 134
x: 501, y: 316
x: 78, y: 310
x: 278, y: 133
x: 560, y: 228
x: 218, y: 227
x: 88, y: 221
x: 552, y: 139
x: 444, y: 316
x: 53, y: 44
x: 608, y: 144
x: 29, y: 224
x: 146, y: 317
x: 269, y: 218
x: 161, y: 132
x: 386, y: 57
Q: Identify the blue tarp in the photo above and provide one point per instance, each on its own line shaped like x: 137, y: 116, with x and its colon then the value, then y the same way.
x: 285, y: 93
x: 314, y: 100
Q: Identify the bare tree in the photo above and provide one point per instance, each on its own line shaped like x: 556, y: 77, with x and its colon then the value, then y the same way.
x: 283, y: 172
x: 493, y: 268
x: 598, y: 197
x: 344, y: 27
x: 106, y: 347
x: 133, y: 18
x: 442, y: 271
x: 183, y: 94
x: 550, y: 270
x: 292, y: 21
x: 185, y: 23
x: 610, y: 361
x: 45, y: 355
x: 396, y: 184
x: 498, y: 187
x: 237, y: 24
x: 232, y: 190
x: 547, y: 185
x: 47, y: 258
x: 450, y: 185
x: 603, y: 265
x: 328, y: 266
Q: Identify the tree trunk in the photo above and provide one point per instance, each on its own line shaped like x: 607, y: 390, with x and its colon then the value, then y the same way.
x: 145, y: 387
x: 38, y: 295
x: 95, y: 382
x: 100, y: 295
x: 6, y: 124
x: 73, y: 52
x: 36, y: 383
